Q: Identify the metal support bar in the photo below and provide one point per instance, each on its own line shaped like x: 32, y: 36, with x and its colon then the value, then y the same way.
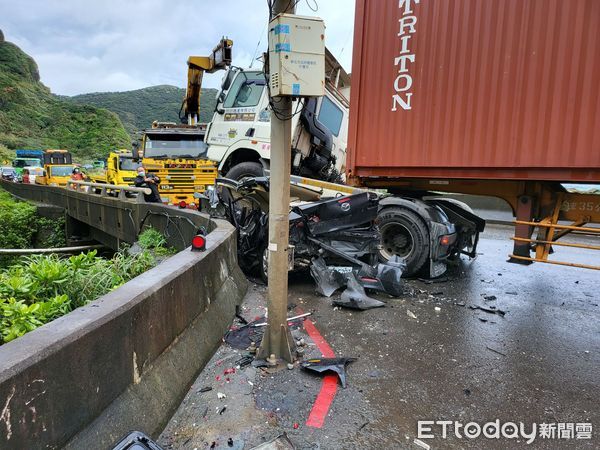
x: 523, y: 229
x: 559, y: 263
x: 562, y: 227
x: 562, y: 244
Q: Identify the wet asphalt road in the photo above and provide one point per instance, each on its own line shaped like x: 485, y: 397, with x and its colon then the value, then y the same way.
x: 539, y: 363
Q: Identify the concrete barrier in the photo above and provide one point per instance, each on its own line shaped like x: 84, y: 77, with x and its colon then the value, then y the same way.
x: 124, y: 361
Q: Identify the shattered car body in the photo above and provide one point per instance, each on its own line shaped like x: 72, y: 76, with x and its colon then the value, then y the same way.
x: 339, y: 230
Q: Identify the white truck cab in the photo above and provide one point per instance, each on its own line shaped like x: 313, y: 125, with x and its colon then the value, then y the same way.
x: 238, y: 136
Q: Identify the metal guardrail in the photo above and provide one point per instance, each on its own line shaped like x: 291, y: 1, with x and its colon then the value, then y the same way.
x: 108, y: 190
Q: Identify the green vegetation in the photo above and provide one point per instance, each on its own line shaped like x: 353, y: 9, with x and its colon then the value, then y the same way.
x: 31, y: 117
x: 38, y: 289
x: 152, y: 239
x: 42, y: 288
x: 21, y: 227
x: 6, y: 155
x: 138, y: 109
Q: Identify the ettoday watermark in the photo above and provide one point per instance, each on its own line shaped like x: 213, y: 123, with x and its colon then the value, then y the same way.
x: 431, y: 429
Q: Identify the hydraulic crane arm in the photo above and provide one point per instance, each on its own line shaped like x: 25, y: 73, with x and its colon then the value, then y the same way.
x: 219, y: 59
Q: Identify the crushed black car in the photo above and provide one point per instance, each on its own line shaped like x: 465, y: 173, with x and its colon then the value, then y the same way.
x: 341, y: 231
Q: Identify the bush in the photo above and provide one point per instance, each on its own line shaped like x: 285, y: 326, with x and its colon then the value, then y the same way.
x: 21, y: 227
x: 17, y: 222
x: 43, y: 287
x: 152, y: 239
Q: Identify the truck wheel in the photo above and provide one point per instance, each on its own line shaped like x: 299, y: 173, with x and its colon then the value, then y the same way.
x: 404, y: 234
x: 246, y: 169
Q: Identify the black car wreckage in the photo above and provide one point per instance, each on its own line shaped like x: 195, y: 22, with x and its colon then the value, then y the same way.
x: 337, y: 238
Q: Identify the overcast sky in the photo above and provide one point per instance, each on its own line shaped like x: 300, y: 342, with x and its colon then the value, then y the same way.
x: 115, y: 45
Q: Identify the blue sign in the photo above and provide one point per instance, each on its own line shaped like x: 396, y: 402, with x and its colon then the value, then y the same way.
x: 282, y: 29
x: 283, y: 47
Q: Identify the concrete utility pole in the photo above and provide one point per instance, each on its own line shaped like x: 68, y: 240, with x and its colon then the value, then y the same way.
x: 277, y: 339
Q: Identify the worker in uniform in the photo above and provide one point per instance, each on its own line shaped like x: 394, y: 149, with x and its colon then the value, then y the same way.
x: 76, y: 175
x: 150, y: 181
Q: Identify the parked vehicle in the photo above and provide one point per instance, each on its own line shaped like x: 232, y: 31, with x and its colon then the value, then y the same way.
x: 9, y: 174
x: 121, y: 169
x: 177, y: 153
x: 55, y: 175
x: 31, y: 173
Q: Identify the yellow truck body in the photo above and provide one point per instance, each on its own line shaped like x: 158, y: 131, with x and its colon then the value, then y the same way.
x: 121, y: 169
x: 177, y: 155
x: 55, y: 175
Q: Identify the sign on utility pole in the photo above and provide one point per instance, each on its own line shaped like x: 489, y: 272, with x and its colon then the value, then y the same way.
x: 296, y: 69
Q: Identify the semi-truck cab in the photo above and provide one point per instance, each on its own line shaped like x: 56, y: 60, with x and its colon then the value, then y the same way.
x: 239, y: 134
x: 57, y: 169
x: 27, y: 158
x: 176, y: 153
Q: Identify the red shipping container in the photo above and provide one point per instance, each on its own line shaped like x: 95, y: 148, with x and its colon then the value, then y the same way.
x: 479, y: 89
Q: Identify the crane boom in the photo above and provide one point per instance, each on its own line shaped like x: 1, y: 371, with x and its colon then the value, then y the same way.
x: 219, y: 59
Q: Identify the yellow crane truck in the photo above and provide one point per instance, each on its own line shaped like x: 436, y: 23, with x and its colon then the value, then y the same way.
x: 177, y: 153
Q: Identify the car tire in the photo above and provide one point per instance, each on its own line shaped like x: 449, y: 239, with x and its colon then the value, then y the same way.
x: 403, y: 233
x: 248, y: 169
x: 263, y: 265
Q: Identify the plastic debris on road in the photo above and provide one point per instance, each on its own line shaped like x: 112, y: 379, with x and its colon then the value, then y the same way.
x: 355, y: 297
x: 320, y: 365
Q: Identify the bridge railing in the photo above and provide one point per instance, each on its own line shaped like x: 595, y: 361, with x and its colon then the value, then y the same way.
x: 106, y: 190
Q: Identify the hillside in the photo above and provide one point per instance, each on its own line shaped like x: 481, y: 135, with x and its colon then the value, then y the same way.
x: 138, y: 109
x: 31, y: 117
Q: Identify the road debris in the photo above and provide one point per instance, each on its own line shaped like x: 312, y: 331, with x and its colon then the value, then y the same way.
x: 490, y: 298
x: 242, y: 338
x: 220, y: 395
x: 490, y: 310
x: 410, y: 314
x: 290, y: 319
x: 437, y: 309
x: 422, y: 444
x: 495, y: 351
x: 355, y: 297
x: 137, y: 440
x: 281, y: 442
x: 244, y: 361
x: 320, y: 365
x: 205, y: 389
x: 222, y: 410
x: 326, y: 279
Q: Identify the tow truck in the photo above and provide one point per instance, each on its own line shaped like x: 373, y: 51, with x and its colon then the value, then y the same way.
x: 177, y: 153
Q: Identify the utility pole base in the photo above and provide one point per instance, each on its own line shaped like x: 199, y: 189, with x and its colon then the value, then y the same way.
x: 287, y: 346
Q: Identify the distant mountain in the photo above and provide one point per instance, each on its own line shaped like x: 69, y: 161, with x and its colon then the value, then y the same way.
x: 138, y: 109
x: 31, y: 117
